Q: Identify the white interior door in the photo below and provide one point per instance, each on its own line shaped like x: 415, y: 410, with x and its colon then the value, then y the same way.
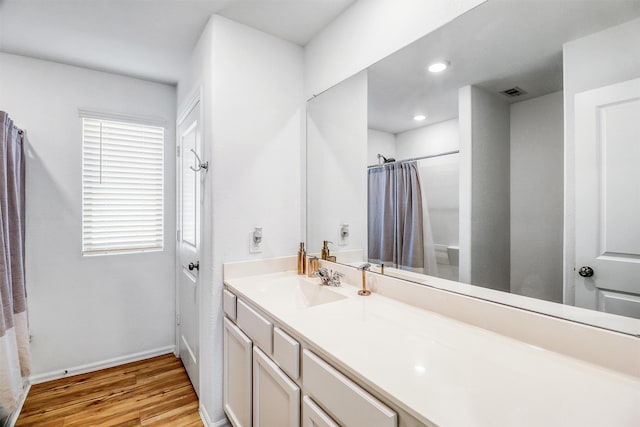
x: 189, y: 247
x: 607, y: 194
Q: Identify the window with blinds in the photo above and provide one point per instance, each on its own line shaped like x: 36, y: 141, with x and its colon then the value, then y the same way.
x: 122, y: 187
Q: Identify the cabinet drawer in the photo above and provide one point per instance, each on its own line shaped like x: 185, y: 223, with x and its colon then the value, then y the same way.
x: 314, y: 416
x: 347, y: 402
x: 229, y: 304
x: 286, y: 353
x: 259, y: 329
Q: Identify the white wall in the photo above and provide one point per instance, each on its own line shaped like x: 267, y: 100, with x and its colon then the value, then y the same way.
x: 536, y: 197
x: 254, y: 111
x: 601, y: 59
x: 197, y: 81
x: 337, y: 165
x: 85, y: 310
x: 429, y: 140
x: 439, y: 176
x: 484, y: 189
x: 370, y: 30
x: 380, y: 142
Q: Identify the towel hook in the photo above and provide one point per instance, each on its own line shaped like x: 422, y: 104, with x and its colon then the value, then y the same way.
x: 201, y: 165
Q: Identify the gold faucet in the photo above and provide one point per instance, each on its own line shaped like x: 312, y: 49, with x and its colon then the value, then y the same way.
x: 364, y: 291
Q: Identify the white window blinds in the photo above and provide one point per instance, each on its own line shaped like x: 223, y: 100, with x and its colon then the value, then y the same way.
x: 122, y: 187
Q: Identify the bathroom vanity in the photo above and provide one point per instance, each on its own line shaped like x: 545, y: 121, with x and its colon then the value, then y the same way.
x: 296, y: 353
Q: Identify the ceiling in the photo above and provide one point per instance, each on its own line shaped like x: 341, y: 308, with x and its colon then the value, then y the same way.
x: 150, y: 39
x: 496, y: 46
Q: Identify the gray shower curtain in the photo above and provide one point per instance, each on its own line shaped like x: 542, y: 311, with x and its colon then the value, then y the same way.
x: 14, y: 334
x: 395, y: 216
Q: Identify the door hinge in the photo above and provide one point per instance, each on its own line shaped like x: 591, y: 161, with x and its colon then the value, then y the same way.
x: 177, y: 320
x: 178, y: 151
x: 177, y: 235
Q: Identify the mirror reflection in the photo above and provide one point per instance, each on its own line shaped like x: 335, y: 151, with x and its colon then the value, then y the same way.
x: 500, y: 151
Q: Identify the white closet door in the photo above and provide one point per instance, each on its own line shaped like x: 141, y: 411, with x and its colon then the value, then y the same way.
x: 276, y: 399
x: 314, y: 416
x: 236, y: 393
x: 607, y: 243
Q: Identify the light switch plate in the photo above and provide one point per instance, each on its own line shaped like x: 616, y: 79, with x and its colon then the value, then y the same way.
x: 343, y: 235
x: 256, y: 240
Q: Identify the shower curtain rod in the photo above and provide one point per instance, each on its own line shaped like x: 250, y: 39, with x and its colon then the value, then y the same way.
x: 417, y: 158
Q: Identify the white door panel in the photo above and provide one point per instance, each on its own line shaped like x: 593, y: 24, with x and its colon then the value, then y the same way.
x: 189, y: 216
x: 607, y: 165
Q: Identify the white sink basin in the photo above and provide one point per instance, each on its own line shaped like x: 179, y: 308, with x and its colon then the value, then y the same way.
x: 309, y: 295
x: 297, y: 292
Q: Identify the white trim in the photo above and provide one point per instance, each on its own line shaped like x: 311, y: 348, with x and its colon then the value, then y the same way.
x: 206, y: 419
x: 103, y: 364
x: 120, y: 117
x: 11, y: 420
x: 192, y: 101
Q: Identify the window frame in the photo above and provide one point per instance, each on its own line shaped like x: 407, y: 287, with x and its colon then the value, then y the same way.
x: 127, y: 120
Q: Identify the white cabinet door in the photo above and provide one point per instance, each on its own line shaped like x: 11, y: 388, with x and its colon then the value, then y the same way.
x: 314, y: 416
x: 276, y: 399
x: 607, y: 199
x: 236, y: 393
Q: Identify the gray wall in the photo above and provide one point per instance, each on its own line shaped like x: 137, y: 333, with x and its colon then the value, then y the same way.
x: 536, y: 197
x: 484, y: 189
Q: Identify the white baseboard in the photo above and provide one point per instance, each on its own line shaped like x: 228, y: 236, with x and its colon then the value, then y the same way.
x: 11, y: 421
x: 207, y: 420
x: 103, y: 364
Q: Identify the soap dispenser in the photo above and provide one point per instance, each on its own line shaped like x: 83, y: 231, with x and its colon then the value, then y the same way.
x: 302, y: 259
x: 325, y: 252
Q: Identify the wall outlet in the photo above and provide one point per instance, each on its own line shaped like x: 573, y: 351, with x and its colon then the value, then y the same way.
x: 255, y: 240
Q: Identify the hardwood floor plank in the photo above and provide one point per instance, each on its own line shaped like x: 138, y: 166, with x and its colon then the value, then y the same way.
x: 170, y: 417
x: 152, y: 392
x: 81, y: 393
x: 166, y: 407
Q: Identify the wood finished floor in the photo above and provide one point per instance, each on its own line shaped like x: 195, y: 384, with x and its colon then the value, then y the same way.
x: 152, y: 392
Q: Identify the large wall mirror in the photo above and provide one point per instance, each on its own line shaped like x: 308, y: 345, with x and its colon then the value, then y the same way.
x: 499, y: 151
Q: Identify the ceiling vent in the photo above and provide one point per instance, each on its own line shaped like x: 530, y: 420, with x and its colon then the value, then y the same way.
x: 514, y: 92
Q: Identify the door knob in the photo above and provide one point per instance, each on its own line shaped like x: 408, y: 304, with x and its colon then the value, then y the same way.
x: 196, y: 266
x: 585, y: 271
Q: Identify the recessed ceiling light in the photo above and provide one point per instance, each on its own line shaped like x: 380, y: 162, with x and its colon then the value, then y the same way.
x: 419, y: 117
x: 438, y: 67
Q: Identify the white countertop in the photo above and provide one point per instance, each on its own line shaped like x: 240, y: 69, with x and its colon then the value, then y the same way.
x: 441, y: 370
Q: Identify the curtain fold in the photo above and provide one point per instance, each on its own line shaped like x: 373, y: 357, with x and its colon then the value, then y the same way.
x: 430, y: 261
x: 395, y: 217
x: 15, y: 357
